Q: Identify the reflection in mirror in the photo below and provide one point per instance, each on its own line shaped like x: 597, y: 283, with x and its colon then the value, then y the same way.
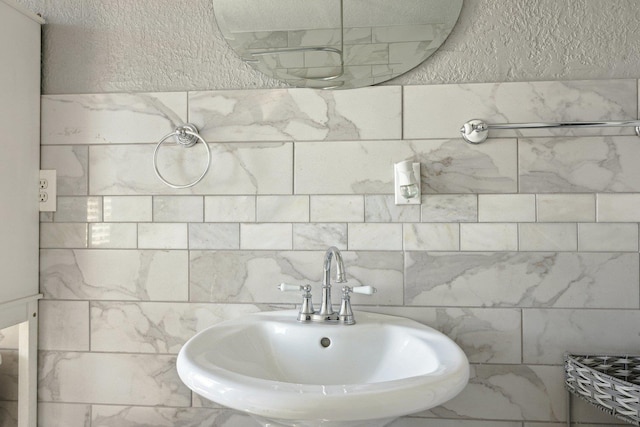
x: 335, y: 44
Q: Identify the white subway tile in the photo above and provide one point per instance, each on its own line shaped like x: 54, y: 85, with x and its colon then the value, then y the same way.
x: 127, y: 208
x: 431, y: 237
x: 579, y: 164
x: 178, y: 209
x: 237, y: 169
x: 449, y: 208
x: 282, y: 208
x: 63, y: 235
x: 266, y: 236
x: 108, y: 378
x: 608, y: 237
x: 113, y: 235
x: 337, y: 209
x: 506, y: 208
x: 618, y: 207
x: 566, y: 207
x: 382, y: 208
x: 319, y: 236
x: 298, y: 114
x: 114, y: 274
x: 489, y: 237
x: 64, y: 325
x: 78, y: 209
x: 111, y: 117
x: 71, y: 164
x: 162, y: 236
x: 448, y: 166
x: 548, y: 237
x: 375, y: 237
x: 63, y: 414
x: 230, y: 208
x: 214, y: 236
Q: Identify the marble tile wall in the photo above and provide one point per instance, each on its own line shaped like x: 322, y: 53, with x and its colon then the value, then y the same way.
x: 524, y: 247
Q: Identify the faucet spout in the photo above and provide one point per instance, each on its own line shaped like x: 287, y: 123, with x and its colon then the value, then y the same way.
x: 326, y: 309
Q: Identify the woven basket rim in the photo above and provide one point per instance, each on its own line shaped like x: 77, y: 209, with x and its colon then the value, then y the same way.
x: 612, y: 378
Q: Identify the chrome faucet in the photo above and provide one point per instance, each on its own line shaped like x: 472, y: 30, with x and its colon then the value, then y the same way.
x: 326, y: 313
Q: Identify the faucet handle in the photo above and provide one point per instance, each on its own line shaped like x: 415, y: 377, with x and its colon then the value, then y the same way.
x: 287, y: 287
x: 364, y: 290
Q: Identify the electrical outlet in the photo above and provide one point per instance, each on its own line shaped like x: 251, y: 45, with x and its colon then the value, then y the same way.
x: 47, y: 197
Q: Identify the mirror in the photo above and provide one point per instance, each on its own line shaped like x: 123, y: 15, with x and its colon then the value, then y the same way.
x: 335, y: 44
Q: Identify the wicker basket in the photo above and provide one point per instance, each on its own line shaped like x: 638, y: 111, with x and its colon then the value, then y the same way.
x: 612, y: 383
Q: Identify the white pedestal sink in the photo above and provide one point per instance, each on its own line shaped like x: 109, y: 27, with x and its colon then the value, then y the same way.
x: 286, y: 373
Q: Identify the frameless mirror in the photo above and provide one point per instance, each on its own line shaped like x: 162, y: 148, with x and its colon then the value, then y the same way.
x: 335, y: 44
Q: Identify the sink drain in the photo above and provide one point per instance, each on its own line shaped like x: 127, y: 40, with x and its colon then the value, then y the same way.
x: 325, y: 342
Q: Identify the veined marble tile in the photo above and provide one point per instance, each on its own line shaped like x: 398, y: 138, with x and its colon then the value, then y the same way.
x: 127, y: 208
x: 403, y: 33
x: 64, y: 325
x: 328, y: 37
x: 238, y: 169
x: 178, y: 209
x: 522, y: 279
x: 114, y: 274
x: 367, y: 54
x: 63, y: 235
x: 375, y: 237
x: 319, y: 236
x: 71, y: 164
x: 266, y: 236
x: 282, y: 208
x: 111, y: 117
x: 548, y: 237
x: 109, y: 379
x: 431, y: 237
x: 548, y: 334
x: 449, y: 208
x: 214, y: 236
x: 489, y: 237
x: 448, y: 166
x: 618, y: 207
x: 252, y: 277
x: 63, y: 415
x: 155, y: 327
x: 163, y: 236
x: 382, y: 208
x: 486, y: 335
x: 297, y: 114
x: 575, y: 165
x: 118, y: 416
x: 438, y: 111
x: 608, y: 237
x: 113, y: 236
x: 9, y: 375
x: 566, y: 207
x: 506, y: 208
x: 78, y: 209
x: 337, y: 209
x: 509, y: 392
x: 230, y: 208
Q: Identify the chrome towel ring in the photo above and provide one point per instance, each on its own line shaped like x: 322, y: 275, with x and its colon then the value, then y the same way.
x: 186, y: 136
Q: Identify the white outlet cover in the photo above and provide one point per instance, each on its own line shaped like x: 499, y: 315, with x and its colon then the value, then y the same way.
x: 50, y: 204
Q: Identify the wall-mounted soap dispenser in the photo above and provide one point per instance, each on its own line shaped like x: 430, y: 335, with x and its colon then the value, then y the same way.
x: 407, y: 183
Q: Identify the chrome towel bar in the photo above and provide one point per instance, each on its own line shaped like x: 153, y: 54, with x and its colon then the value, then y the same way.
x: 476, y: 131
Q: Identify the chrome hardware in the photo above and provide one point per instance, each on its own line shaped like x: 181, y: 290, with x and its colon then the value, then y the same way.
x: 306, y: 310
x: 346, y: 313
x: 326, y: 313
x: 185, y: 136
x: 476, y: 131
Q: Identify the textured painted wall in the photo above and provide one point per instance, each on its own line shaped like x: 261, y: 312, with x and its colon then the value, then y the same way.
x: 169, y: 45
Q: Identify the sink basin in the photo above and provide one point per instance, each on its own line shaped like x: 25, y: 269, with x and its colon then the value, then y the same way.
x: 286, y: 373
